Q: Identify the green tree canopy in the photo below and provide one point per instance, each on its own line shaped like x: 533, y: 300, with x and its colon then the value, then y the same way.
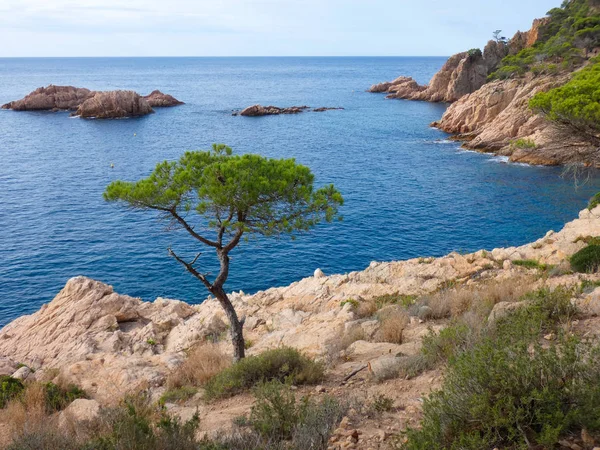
x: 217, y: 197
x: 576, y: 104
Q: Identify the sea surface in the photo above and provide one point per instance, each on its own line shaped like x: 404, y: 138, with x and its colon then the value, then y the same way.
x: 408, y: 191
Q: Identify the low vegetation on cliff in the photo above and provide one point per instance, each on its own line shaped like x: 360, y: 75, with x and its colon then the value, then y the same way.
x: 575, y: 105
x: 564, y: 41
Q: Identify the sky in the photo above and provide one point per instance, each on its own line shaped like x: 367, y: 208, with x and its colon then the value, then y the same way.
x: 257, y: 27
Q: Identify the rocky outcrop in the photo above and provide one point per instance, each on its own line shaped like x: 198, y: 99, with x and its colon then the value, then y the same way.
x: 497, y: 116
x: 51, y: 98
x: 157, y: 99
x: 462, y: 74
x: 86, y: 103
x: 110, y: 343
x: 114, y: 105
x: 259, y: 110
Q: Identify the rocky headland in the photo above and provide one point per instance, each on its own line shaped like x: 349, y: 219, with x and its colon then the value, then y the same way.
x: 92, y: 104
x: 462, y: 74
x: 494, y: 115
x: 111, y: 344
x: 259, y: 110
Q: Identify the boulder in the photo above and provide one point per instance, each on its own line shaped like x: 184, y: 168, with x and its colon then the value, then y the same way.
x: 114, y: 105
x: 157, y: 99
x: 7, y: 366
x: 22, y: 373
x: 51, y: 98
x: 80, y: 410
x: 503, y: 309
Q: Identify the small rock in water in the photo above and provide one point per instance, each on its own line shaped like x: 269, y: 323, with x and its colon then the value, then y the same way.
x: 319, y: 273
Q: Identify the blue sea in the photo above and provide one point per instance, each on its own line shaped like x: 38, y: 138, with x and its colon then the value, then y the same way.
x: 408, y: 191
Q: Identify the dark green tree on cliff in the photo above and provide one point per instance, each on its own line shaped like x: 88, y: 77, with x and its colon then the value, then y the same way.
x: 575, y: 105
x: 218, y: 197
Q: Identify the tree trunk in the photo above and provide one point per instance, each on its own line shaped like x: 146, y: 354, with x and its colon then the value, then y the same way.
x: 236, y: 326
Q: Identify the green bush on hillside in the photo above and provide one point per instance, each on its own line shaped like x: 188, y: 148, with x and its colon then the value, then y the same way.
x: 58, y: 398
x: 283, y: 364
x: 509, y: 391
x: 572, y: 30
x: 594, y: 201
x: 575, y: 105
x: 586, y: 260
x: 9, y: 388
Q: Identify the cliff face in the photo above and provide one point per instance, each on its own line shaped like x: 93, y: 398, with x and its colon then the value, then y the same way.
x: 497, y: 119
x: 497, y: 116
x: 462, y: 74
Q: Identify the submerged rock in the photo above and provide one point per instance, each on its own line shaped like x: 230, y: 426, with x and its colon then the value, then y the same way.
x: 51, y: 98
x: 259, y: 110
x: 157, y: 99
x: 114, y: 105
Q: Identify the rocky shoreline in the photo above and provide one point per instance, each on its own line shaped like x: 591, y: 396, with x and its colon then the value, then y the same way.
x: 92, y: 104
x: 494, y: 117
x: 111, y: 344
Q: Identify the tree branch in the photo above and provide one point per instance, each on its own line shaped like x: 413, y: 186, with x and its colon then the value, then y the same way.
x: 191, y: 269
x: 190, y: 230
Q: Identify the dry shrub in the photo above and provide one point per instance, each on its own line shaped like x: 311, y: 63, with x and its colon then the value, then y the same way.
x: 28, y: 412
x: 202, y: 363
x: 480, y: 299
x: 393, y: 322
x: 366, y: 308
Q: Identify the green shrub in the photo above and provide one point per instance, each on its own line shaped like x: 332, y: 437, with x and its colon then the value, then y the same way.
x: 403, y: 300
x: 58, y: 398
x: 137, y: 424
x: 47, y: 438
x: 508, y: 391
x: 352, y: 302
x: 9, y: 388
x: 531, y: 264
x: 278, y: 417
x: 283, y: 364
x: 524, y: 144
x: 178, y: 395
x: 443, y: 346
x: 276, y: 413
x: 586, y: 260
x: 594, y: 201
x: 576, y: 104
x: 475, y: 53
x: 381, y: 403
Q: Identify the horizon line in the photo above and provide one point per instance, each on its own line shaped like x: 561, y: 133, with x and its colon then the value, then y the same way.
x: 229, y: 56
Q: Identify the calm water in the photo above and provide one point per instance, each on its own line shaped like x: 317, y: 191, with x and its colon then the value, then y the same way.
x: 406, y: 194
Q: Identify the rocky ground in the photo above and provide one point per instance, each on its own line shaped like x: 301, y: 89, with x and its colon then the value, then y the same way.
x: 111, y: 344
